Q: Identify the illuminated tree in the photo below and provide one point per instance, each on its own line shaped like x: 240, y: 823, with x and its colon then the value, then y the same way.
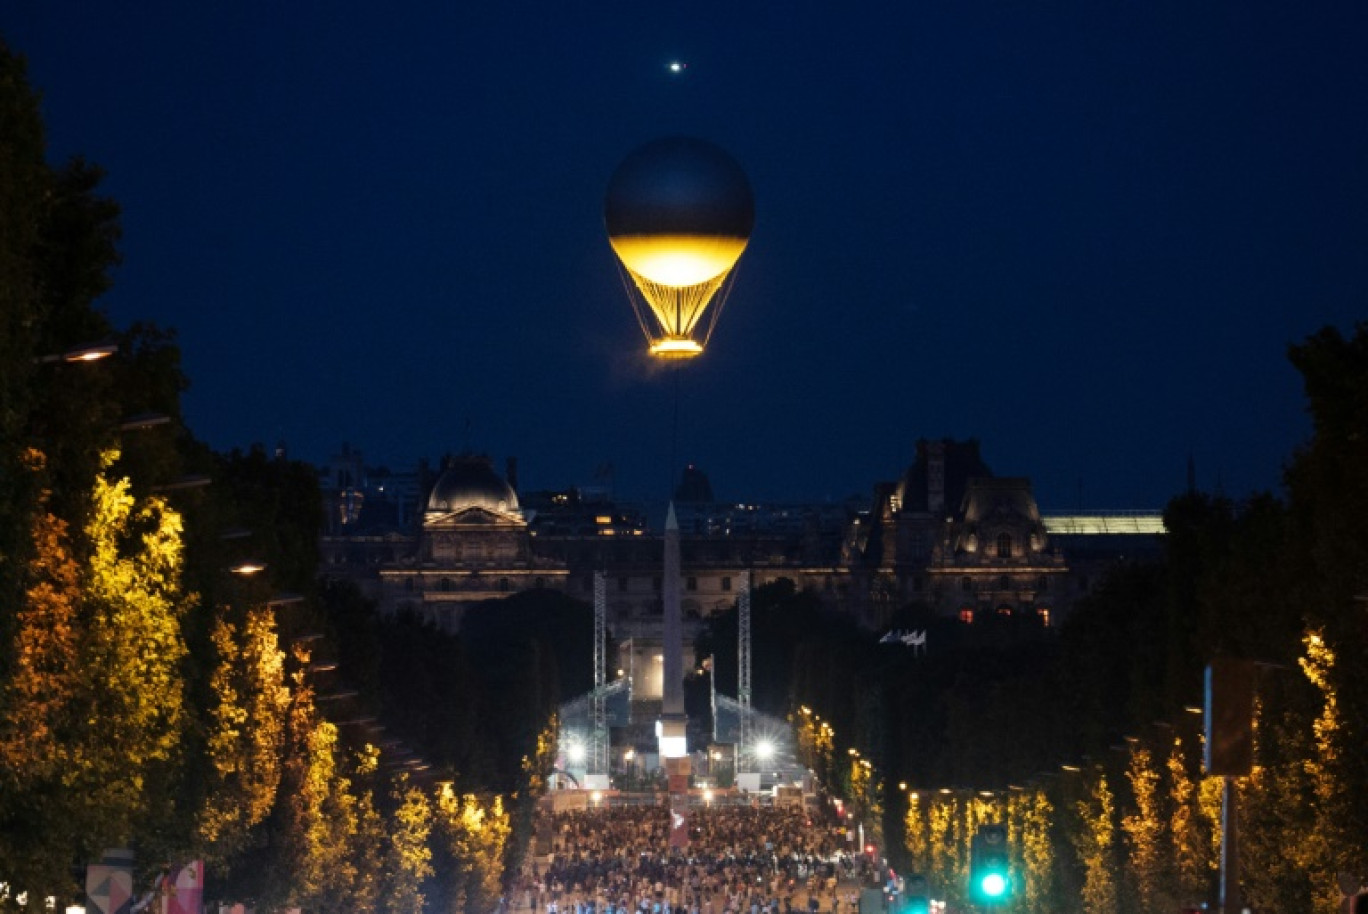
x: 917, y: 834
x: 1194, y: 831
x: 473, y: 833
x: 865, y: 794
x: 1328, y: 486
x: 1283, y: 854
x: 91, y: 708
x: 319, y: 815
x: 44, y: 676
x: 38, y: 704
x: 1096, y: 848
x: 536, y: 771
x: 408, y: 856
x: 1030, y: 818
x: 1145, y: 833
x: 1325, y: 770
x: 949, y: 861
x: 131, y: 656
x: 372, y: 841
x: 246, y: 733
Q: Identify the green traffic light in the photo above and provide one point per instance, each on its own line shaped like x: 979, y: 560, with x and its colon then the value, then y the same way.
x: 993, y: 885
x: 988, y: 866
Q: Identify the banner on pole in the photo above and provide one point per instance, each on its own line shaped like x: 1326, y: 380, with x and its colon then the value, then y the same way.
x: 109, y: 883
x: 679, y: 821
x: 184, y: 889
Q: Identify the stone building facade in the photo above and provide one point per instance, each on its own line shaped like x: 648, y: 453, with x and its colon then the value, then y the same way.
x: 947, y: 537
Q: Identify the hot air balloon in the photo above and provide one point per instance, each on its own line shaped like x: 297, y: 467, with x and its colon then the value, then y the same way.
x: 678, y: 212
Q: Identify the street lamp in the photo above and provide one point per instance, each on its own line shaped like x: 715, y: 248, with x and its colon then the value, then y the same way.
x: 142, y: 421
x: 193, y: 481
x: 86, y: 352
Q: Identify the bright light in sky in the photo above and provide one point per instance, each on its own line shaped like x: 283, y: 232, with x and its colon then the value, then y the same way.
x: 764, y: 750
x: 678, y: 66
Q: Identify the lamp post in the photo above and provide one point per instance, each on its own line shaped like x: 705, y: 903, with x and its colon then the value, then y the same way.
x: 86, y: 352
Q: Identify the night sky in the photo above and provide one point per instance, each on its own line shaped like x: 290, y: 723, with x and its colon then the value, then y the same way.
x: 1084, y: 233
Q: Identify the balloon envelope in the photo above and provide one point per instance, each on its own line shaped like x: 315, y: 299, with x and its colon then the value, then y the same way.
x: 678, y: 213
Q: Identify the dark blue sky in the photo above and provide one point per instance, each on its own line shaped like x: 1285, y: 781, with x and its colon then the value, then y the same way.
x: 1084, y: 233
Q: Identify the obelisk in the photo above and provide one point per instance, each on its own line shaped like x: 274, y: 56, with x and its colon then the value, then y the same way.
x: 673, y: 726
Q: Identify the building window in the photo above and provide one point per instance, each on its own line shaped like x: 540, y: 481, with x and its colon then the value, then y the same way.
x: 1042, y: 583
x: 726, y: 583
x: 1004, y: 583
x: 539, y: 583
x: 1044, y: 616
x: 1004, y: 612
x: 445, y: 586
x: 1004, y: 546
x: 966, y: 584
x: 966, y: 616
x: 408, y: 585
x: 503, y: 585
x: 691, y: 584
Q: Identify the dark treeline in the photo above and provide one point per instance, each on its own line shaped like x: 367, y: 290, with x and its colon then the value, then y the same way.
x: 1274, y: 578
x: 471, y: 703
x: 156, y: 696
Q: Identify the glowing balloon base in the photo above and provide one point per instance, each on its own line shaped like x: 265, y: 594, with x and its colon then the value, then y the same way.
x: 675, y: 349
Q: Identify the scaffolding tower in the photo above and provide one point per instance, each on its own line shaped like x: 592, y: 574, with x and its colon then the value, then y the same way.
x: 598, y: 733
x: 743, y: 668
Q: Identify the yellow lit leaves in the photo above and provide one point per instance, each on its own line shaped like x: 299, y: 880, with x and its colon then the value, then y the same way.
x: 38, y: 697
x: 1144, y: 829
x: 475, y: 834
x: 409, y: 860
x: 247, y: 729
x: 134, y: 646
x: 92, y: 709
x: 1096, y: 848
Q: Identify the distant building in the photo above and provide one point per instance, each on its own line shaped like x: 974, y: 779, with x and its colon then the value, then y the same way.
x: 951, y: 537
x: 948, y: 537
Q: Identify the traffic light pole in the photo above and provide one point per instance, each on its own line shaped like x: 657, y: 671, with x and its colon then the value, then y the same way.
x: 1230, y: 848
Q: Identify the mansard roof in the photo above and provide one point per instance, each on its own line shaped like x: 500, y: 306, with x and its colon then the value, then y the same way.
x: 961, y: 462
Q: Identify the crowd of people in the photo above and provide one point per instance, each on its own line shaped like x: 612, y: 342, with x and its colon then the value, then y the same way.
x: 737, y: 860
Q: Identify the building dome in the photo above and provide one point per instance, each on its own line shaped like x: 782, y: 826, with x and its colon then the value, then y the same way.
x: 470, y: 482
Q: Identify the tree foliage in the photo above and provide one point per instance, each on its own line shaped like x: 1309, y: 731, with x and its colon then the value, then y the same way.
x: 246, y: 734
